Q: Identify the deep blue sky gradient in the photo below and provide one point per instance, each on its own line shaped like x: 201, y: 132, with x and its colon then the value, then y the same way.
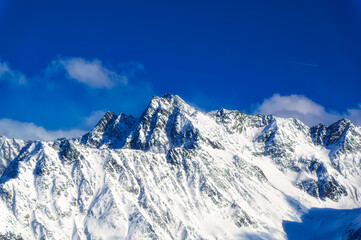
x: 214, y: 54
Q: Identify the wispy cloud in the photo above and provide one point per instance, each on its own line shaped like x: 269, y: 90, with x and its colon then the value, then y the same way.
x: 10, y: 75
x: 29, y: 131
x: 305, y: 109
x: 90, y: 72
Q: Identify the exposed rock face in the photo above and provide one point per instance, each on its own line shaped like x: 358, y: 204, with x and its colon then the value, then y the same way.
x: 9, y: 149
x: 177, y: 173
x: 342, y: 137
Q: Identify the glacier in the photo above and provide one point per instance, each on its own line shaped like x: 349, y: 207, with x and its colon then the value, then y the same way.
x: 179, y: 173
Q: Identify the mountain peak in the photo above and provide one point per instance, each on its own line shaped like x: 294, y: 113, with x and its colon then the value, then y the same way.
x: 167, y: 95
x: 344, y: 122
x: 110, y: 130
x: 168, y: 102
x: 105, y: 121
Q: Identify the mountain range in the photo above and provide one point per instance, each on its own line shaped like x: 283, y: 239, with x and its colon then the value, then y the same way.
x: 179, y: 173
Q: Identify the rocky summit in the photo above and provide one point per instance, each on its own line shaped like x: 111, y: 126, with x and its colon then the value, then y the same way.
x: 179, y: 173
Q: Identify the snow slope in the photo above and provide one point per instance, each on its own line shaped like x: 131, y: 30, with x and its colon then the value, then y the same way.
x: 178, y: 173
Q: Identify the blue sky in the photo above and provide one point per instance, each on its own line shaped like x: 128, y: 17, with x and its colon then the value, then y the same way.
x: 63, y: 63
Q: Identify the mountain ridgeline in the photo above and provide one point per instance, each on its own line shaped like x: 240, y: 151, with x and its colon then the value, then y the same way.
x: 178, y: 173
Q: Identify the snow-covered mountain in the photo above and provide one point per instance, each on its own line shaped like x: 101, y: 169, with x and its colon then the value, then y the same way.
x: 178, y: 173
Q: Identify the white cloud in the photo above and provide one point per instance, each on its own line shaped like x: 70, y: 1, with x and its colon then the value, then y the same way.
x: 306, y: 110
x: 13, y: 76
x: 29, y: 131
x: 90, y: 72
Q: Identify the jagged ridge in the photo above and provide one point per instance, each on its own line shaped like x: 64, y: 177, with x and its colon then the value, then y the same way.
x: 177, y: 173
